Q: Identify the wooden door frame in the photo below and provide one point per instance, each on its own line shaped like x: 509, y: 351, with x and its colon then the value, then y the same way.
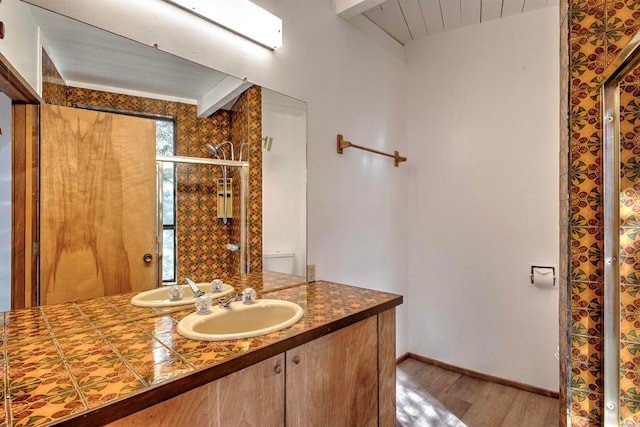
x: 24, y: 184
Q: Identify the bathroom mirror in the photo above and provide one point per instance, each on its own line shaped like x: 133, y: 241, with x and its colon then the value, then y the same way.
x: 84, y: 67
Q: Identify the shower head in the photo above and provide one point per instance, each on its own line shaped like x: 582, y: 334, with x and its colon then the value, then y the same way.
x: 211, y: 148
x: 215, y: 149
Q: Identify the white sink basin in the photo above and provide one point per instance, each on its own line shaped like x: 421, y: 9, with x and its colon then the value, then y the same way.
x: 160, y: 297
x: 240, y: 320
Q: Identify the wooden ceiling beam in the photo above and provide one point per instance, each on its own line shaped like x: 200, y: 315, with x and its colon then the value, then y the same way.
x: 221, y: 94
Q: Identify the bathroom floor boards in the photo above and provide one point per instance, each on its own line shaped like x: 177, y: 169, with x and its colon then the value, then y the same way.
x: 435, y: 397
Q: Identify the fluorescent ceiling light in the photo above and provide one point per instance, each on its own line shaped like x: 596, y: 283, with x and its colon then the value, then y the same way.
x: 240, y: 16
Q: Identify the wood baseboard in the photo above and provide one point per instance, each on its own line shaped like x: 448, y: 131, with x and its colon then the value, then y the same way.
x: 402, y: 358
x: 479, y: 375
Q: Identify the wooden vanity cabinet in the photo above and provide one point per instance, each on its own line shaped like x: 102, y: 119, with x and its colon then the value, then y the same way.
x: 345, y: 378
x: 333, y: 380
x: 253, y: 396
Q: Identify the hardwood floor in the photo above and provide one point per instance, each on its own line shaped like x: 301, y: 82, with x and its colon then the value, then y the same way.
x: 435, y: 397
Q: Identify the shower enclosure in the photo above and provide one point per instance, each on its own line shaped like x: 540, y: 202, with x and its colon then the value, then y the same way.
x: 240, y: 220
x: 621, y: 145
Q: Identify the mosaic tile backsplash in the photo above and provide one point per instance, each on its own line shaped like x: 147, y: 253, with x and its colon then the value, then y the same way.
x: 596, y: 32
x: 202, y: 237
x: 58, y: 361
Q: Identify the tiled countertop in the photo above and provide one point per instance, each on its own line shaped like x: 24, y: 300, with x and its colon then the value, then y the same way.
x: 78, y: 360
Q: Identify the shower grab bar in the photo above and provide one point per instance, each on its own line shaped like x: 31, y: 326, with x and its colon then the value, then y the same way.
x: 342, y: 144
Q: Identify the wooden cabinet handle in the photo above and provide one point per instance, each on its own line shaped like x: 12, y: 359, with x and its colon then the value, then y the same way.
x: 277, y: 369
x: 295, y: 359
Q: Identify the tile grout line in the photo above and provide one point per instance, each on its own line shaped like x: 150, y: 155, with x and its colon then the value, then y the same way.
x: 167, y: 347
x: 135, y: 321
x: 104, y: 338
x: 90, y: 328
x: 168, y: 314
x: 64, y: 359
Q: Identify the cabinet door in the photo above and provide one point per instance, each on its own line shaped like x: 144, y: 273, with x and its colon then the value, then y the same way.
x: 333, y: 381
x: 253, y: 396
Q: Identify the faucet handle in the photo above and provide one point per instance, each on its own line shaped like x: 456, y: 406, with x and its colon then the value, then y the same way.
x: 176, y: 292
x: 203, y: 304
x: 249, y: 296
x: 217, y: 285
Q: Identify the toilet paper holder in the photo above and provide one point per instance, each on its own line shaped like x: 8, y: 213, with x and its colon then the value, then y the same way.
x: 546, y: 267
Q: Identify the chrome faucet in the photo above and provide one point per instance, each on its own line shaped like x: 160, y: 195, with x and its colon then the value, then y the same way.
x: 224, y: 302
x: 197, y: 292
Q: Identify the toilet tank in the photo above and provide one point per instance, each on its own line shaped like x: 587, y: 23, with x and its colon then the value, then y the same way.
x: 278, y: 261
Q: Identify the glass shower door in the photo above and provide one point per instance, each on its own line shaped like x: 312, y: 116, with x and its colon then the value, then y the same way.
x: 621, y: 137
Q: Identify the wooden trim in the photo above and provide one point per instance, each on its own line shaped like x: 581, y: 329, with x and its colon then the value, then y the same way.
x: 15, y: 86
x: 24, y: 183
x: 18, y: 205
x: 402, y: 358
x: 485, y: 377
x: 32, y: 203
x: 24, y: 203
x: 387, y: 368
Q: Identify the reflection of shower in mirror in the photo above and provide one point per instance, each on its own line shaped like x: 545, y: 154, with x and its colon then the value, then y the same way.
x: 215, y: 151
x: 244, y: 146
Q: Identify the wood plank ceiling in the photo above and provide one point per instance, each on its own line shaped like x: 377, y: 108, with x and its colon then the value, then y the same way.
x: 407, y: 20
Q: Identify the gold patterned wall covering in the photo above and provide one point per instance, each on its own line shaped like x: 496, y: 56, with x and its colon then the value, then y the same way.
x: 202, y: 237
x: 54, y: 88
x: 246, y: 127
x: 597, y: 31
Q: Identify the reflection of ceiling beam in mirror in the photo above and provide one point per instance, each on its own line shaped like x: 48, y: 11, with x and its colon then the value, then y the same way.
x: 350, y: 8
x: 92, y: 58
x: 241, y: 17
x: 221, y: 95
x: 277, y: 99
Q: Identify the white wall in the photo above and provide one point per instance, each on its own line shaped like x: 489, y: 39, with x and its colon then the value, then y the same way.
x: 483, y: 200
x: 284, y: 180
x: 5, y: 203
x: 20, y: 43
x: 357, y: 202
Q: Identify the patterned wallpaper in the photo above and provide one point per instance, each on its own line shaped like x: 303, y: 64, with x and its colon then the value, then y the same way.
x: 246, y: 126
x: 54, y: 88
x: 202, y: 237
x: 593, y: 34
